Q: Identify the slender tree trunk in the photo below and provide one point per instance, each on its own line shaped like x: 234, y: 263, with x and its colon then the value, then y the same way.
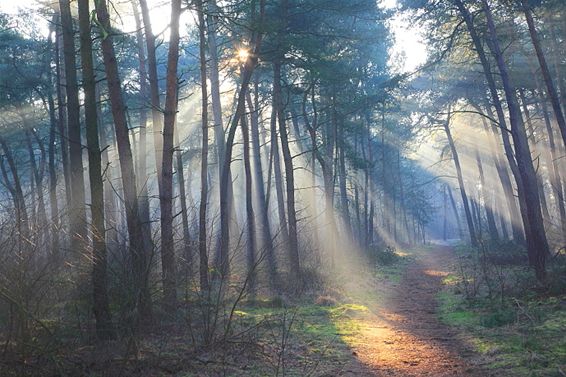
x: 104, y: 328
x: 156, y: 111
x: 203, y: 252
x: 52, y: 167
x: 62, y: 120
x: 537, y: 244
x: 503, y: 174
x: 289, y: 174
x: 550, y: 88
x: 264, y: 223
x: 250, y: 216
x: 187, y: 249
x: 455, y: 157
x: 142, y: 300
x: 248, y: 67
x: 478, y: 44
x: 278, y: 179
x: 166, y: 185
x: 141, y: 171
x: 78, y: 212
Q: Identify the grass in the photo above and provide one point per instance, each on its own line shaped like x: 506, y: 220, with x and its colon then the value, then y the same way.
x: 517, y: 336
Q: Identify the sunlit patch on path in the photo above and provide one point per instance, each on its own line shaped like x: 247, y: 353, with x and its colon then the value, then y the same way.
x: 401, y: 335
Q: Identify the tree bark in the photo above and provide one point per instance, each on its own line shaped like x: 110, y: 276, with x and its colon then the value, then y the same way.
x: 77, y: 210
x: 550, y: 88
x: 142, y: 299
x: 203, y: 252
x: 537, y: 244
x: 455, y: 157
x: 293, y: 248
x: 156, y: 112
x: 166, y: 184
x: 264, y: 223
x: 104, y: 328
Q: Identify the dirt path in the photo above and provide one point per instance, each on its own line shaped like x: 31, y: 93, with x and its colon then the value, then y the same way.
x: 403, y: 336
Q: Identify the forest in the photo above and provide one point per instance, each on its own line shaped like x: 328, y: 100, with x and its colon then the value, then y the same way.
x: 282, y: 188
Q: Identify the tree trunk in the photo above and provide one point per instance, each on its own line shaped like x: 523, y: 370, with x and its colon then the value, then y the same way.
x: 156, y: 115
x: 503, y: 174
x: 250, y: 217
x: 104, y: 328
x: 52, y: 167
x: 550, y: 88
x: 264, y: 223
x: 498, y: 108
x: 142, y: 300
x: 141, y: 170
x: 455, y: 157
x: 62, y: 120
x: 77, y: 210
x: 166, y: 185
x: 537, y: 244
x: 203, y: 252
x: 293, y: 248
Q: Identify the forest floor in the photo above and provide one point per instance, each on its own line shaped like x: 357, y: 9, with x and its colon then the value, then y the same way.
x: 405, y: 318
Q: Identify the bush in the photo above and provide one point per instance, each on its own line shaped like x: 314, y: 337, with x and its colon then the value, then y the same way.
x: 386, y: 257
x: 499, y: 317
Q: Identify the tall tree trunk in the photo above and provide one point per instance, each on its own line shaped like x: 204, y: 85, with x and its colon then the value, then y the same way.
x: 187, y: 249
x: 141, y: 171
x: 62, y: 116
x: 142, y: 299
x: 455, y: 157
x: 203, y: 252
x: 550, y: 88
x: 293, y: 248
x: 166, y: 185
x: 104, y: 329
x: 491, y: 83
x: 248, y: 67
x: 503, y: 174
x: 264, y: 223
x: 250, y: 216
x: 278, y: 179
x: 52, y: 167
x: 77, y: 210
x: 156, y: 112
x: 537, y: 244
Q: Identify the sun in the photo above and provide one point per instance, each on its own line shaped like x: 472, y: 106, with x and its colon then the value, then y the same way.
x: 243, y: 54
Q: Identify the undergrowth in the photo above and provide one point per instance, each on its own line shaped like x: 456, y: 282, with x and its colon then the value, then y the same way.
x: 517, y: 327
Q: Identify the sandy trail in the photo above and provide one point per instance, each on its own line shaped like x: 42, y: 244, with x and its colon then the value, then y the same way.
x: 402, y: 336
